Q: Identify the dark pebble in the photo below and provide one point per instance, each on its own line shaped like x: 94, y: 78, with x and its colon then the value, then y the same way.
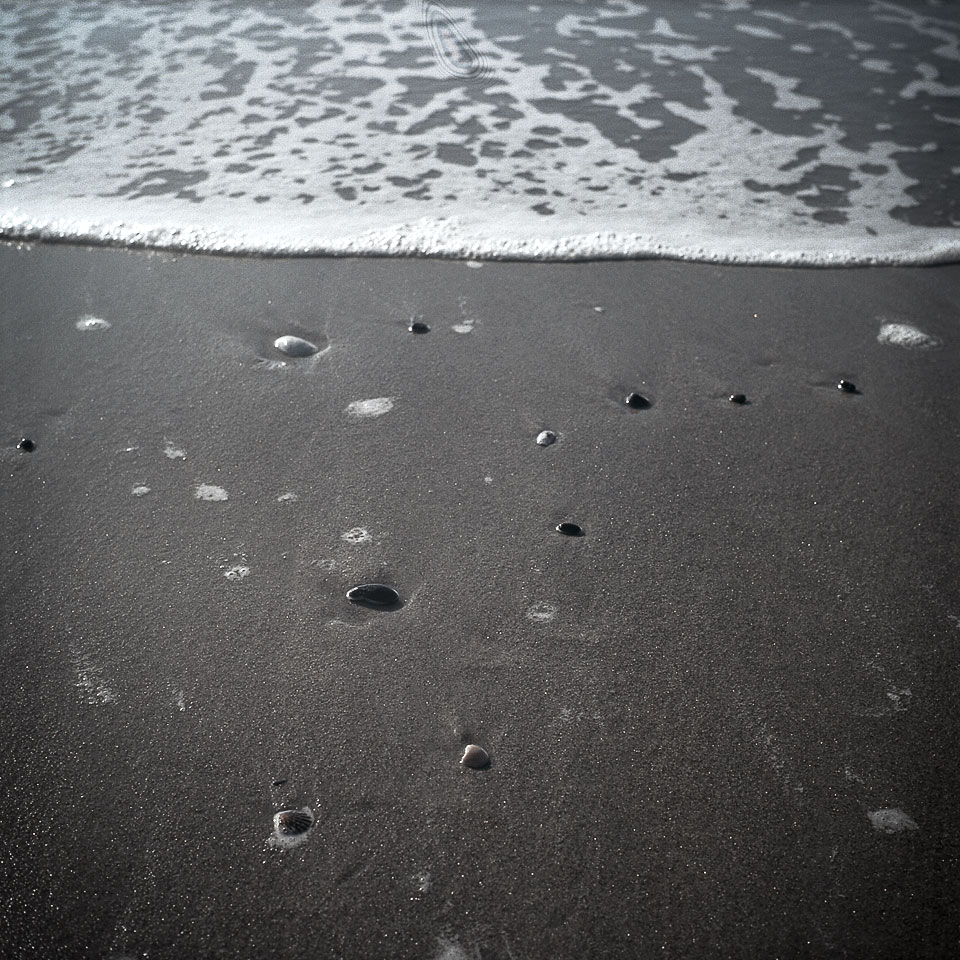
x: 740, y: 398
x: 26, y: 445
x: 373, y: 595
x: 637, y: 401
x: 475, y: 757
x: 418, y: 327
x: 569, y: 529
x: 847, y: 387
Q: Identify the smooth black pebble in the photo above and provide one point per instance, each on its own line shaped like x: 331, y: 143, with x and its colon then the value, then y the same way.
x: 847, y: 387
x: 637, y: 400
x: 26, y: 445
x: 418, y: 327
x: 292, y: 823
x: 475, y: 757
x: 569, y: 529
x: 373, y: 595
x: 739, y: 398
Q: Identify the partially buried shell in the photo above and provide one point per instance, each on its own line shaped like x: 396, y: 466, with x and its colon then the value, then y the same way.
x: 295, y: 346
x: 373, y: 595
x: 546, y: 437
x: 475, y: 757
x: 293, y: 823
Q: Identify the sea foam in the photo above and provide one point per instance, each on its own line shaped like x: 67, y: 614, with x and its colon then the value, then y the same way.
x: 563, y: 131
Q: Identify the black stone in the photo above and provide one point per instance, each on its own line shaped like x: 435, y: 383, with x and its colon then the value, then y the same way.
x: 569, y: 529
x: 26, y: 445
x: 637, y: 401
x: 739, y: 398
x: 847, y: 387
x: 418, y: 327
x: 374, y: 595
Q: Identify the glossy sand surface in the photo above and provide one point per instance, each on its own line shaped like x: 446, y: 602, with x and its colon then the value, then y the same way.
x: 722, y: 722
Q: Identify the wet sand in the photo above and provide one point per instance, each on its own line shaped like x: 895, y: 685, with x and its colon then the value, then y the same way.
x: 722, y: 722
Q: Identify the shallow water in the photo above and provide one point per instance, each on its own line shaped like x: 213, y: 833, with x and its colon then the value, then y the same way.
x: 729, y: 131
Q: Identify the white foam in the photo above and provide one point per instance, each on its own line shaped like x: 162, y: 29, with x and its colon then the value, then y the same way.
x: 243, y: 153
x: 207, y: 491
x: 140, y: 491
x: 891, y: 820
x: 90, y: 322
x: 172, y: 452
x: 376, y: 407
x: 906, y: 335
x: 543, y: 611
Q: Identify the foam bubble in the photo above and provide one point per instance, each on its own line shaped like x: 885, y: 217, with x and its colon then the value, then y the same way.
x: 542, y: 611
x: 207, y: 491
x: 140, y: 491
x: 906, y: 335
x: 88, y: 322
x: 172, y: 452
x: 375, y: 407
x: 238, y: 572
x: 891, y: 820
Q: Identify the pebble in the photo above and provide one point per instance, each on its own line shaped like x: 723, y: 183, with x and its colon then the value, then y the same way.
x: 546, y: 437
x: 847, y: 387
x: 418, y: 327
x: 373, y: 595
x: 295, y: 346
x: 26, y: 445
x: 740, y: 398
x: 637, y: 401
x: 475, y: 757
x: 569, y: 529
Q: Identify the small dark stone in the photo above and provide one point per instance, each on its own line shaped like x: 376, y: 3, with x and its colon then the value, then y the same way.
x: 373, y: 595
x: 739, y: 398
x: 637, y: 401
x: 475, y: 757
x: 279, y: 783
x: 418, y: 327
x: 26, y: 445
x: 569, y: 529
x: 847, y: 387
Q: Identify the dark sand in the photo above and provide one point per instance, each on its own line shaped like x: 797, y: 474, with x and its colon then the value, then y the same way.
x: 755, y: 644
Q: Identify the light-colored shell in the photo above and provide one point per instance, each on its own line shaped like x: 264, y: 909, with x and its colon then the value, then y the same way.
x: 475, y: 757
x: 546, y: 437
x: 295, y: 346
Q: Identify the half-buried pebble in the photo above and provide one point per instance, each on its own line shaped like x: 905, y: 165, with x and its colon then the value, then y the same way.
x: 738, y: 398
x: 637, y: 401
x: 546, y: 437
x: 845, y: 386
x: 295, y: 346
x: 89, y: 322
x: 418, y: 327
x: 474, y: 757
x: 26, y: 445
x: 377, y: 595
x: 569, y: 529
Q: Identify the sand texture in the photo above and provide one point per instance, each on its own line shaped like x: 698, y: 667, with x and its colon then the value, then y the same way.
x: 721, y: 723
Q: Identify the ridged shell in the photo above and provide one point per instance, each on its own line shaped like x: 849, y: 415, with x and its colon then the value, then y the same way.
x: 295, y: 346
x: 292, y: 823
x: 475, y: 757
x: 569, y: 529
x: 373, y: 595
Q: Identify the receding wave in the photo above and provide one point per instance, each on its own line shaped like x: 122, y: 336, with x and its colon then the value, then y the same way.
x: 729, y: 131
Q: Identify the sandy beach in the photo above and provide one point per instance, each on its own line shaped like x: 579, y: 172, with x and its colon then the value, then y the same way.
x: 722, y: 723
